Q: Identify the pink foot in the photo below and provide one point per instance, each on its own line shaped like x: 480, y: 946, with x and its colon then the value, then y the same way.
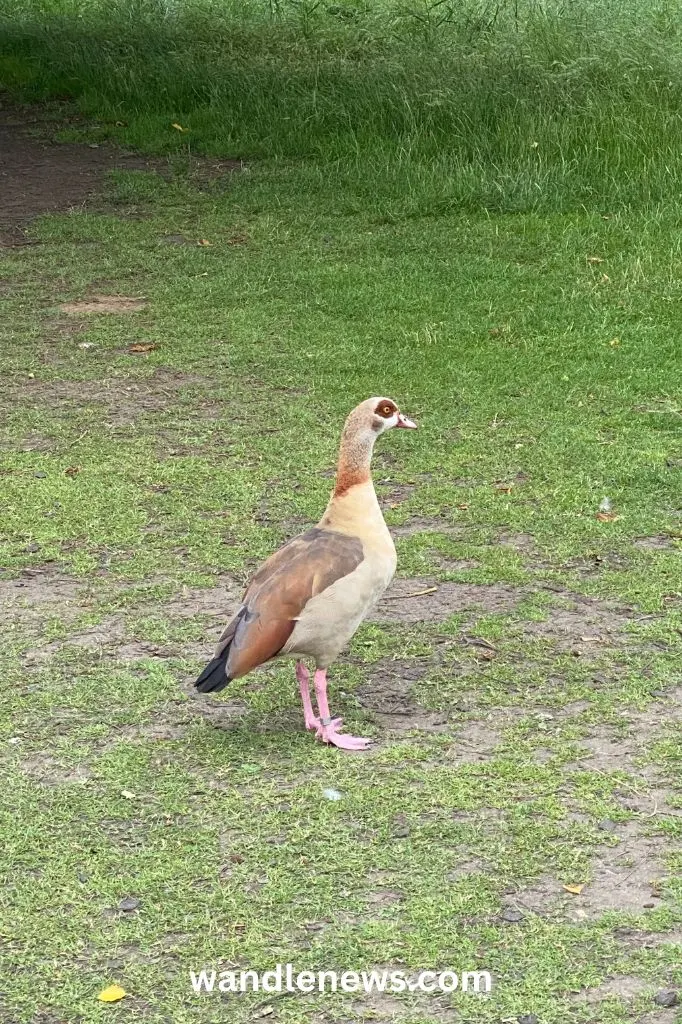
x: 328, y: 727
x: 329, y: 734
x: 309, y: 717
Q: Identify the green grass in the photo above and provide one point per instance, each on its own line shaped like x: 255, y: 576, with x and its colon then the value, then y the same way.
x: 496, y: 335
x: 399, y: 235
x: 418, y: 108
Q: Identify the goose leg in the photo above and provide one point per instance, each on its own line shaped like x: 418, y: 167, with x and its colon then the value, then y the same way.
x: 311, y: 719
x: 328, y: 727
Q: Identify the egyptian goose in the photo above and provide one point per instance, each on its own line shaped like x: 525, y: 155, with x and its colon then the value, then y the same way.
x: 308, y: 599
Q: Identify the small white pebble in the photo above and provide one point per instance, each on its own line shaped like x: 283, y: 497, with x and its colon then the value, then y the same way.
x: 332, y: 794
x: 14, y: 740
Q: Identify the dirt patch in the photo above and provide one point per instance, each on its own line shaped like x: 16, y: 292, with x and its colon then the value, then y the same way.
x: 612, y: 752
x: 38, y: 176
x: 47, y: 771
x: 104, y: 304
x: 387, y: 694
x: 523, y: 542
x: 626, y: 748
x: 392, y: 494
x: 473, y: 866
x: 457, y: 564
x: 426, y: 524
x: 582, y: 624
x: 420, y: 599
x: 627, y: 877
x: 620, y: 988
x: 632, y: 938
x: 124, y: 398
x: 475, y: 742
x: 219, y: 602
x: 37, y: 595
x: 36, y: 598
x: 659, y: 543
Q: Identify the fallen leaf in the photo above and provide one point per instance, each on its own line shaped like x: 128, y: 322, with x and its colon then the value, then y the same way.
x: 111, y: 994
x: 178, y: 127
x: 204, y: 241
x: 615, y: 342
x: 575, y: 889
x: 607, y: 517
x: 605, y: 279
x: 72, y: 471
x: 590, y: 639
x: 463, y: 506
x: 128, y: 794
x: 143, y: 346
x: 504, y: 488
x: 266, y: 1011
x: 594, y: 259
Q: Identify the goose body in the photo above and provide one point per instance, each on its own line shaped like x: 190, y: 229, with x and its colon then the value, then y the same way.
x: 308, y: 599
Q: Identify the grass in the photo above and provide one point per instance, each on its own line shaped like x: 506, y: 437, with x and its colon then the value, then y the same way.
x: 521, y: 303
x: 195, y: 459
x: 413, y: 109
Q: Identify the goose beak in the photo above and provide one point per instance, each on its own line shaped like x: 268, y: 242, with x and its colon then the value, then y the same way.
x: 404, y: 422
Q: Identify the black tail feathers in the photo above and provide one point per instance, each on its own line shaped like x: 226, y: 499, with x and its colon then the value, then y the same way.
x: 214, y: 677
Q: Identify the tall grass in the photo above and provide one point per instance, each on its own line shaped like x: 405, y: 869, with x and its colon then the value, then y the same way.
x: 501, y: 104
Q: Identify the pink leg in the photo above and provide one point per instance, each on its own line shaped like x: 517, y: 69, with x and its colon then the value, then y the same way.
x: 311, y: 720
x: 328, y: 727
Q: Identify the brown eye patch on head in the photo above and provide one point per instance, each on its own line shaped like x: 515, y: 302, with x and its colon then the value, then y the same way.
x: 386, y: 409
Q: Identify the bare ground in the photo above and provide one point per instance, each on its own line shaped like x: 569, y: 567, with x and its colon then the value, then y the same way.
x: 40, y: 176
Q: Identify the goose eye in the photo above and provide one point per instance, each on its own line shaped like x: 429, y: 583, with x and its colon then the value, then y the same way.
x: 386, y: 410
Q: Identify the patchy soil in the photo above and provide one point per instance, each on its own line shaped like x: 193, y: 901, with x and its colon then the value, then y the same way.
x: 425, y: 524
x: 421, y: 599
x: 662, y: 542
x: 573, y: 619
x: 124, y: 398
x: 39, y: 176
x: 620, y: 988
x: 629, y: 876
x: 104, y: 304
x: 388, y: 695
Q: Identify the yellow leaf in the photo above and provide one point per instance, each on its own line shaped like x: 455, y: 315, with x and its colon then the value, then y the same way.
x: 178, y: 127
x: 204, y: 241
x: 111, y: 994
x: 575, y: 889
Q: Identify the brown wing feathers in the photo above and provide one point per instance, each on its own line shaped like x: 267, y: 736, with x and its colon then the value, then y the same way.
x: 275, y: 598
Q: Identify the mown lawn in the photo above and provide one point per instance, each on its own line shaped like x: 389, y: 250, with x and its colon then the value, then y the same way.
x: 526, y: 713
